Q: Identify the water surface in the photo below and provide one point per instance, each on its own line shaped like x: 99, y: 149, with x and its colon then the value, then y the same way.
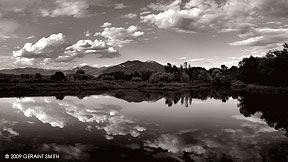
x: 128, y: 126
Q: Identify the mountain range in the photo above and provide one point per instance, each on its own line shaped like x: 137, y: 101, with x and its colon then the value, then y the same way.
x: 127, y: 67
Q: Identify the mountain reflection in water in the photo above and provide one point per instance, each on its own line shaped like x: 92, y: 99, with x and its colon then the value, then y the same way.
x: 142, y: 126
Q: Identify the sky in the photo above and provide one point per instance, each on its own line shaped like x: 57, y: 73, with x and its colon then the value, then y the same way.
x: 62, y: 34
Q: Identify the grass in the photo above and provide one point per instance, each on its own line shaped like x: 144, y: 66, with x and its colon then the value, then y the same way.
x: 75, y: 88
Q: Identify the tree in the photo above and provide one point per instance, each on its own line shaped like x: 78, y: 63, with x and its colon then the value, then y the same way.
x: 184, y: 77
x: 267, y: 70
x: 185, y: 66
x: 58, y: 76
x: 156, y: 77
x: 204, y: 76
x: 145, y: 75
x: 80, y: 71
x: 168, y: 68
x: 38, y: 76
x: 224, y: 68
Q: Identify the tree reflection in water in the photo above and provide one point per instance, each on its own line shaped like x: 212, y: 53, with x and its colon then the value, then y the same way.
x: 273, y: 109
x: 186, y: 97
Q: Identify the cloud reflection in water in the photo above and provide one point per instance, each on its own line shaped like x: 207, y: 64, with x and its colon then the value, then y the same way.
x: 237, y: 144
x: 60, y: 113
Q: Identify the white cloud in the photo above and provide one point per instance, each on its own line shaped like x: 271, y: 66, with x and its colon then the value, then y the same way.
x: 145, y: 13
x: 117, y: 36
x: 162, y: 5
x: 120, y: 6
x: 106, y: 24
x: 198, y: 15
x: 87, y: 33
x: 76, y: 9
x: 263, y: 37
x: 49, y: 47
x: 196, y: 60
x: 56, y: 48
x: 130, y: 16
x: 57, y: 8
x: 182, y: 58
x: 83, y: 47
x: 276, y: 9
x: 242, y: 16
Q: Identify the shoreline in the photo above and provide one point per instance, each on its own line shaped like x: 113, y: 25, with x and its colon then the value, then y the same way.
x: 90, y: 88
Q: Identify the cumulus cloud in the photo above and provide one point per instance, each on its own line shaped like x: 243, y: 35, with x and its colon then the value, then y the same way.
x: 56, y: 48
x: 240, y: 16
x: 83, y: 47
x: 76, y: 9
x: 145, y: 13
x: 87, y: 33
x: 117, y: 36
x: 106, y: 24
x: 197, y: 15
x: 120, y: 6
x: 130, y: 16
x: 162, y: 5
x: 49, y: 47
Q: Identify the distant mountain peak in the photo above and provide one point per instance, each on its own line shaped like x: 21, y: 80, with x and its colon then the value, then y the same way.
x: 152, y: 62
x: 131, y: 66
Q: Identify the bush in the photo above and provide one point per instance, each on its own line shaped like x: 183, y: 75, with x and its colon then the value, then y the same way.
x: 107, y: 77
x: 136, y: 79
x: 166, y: 77
x: 58, y: 76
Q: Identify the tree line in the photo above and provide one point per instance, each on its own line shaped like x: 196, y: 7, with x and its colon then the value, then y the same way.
x: 270, y: 69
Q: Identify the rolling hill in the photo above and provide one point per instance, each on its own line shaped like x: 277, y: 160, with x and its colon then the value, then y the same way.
x: 127, y: 67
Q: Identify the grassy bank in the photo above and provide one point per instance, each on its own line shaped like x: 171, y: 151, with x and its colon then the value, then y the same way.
x: 78, y: 88
x: 75, y: 88
x: 260, y: 89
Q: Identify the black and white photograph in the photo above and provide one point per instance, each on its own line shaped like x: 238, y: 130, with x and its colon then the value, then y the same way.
x: 144, y: 80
